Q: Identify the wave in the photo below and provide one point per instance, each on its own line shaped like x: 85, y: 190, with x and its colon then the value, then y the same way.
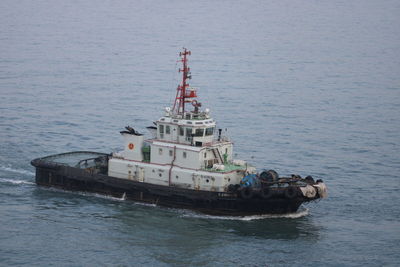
x: 108, y: 197
x: 86, y: 194
x: 20, y: 171
x: 12, y: 181
x: 294, y: 215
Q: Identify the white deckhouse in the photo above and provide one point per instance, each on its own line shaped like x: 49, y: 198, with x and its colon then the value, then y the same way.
x: 186, y: 150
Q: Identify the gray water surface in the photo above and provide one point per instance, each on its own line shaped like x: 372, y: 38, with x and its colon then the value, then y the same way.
x: 307, y: 87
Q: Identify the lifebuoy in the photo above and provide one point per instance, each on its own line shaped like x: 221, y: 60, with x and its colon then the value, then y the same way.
x: 131, y: 146
x: 291, y: 192
x: 266, y: 192
x: 194, y: 103
x: 246, y: 193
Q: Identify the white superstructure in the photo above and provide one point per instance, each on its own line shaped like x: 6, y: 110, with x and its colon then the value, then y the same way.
x: 187, y: 151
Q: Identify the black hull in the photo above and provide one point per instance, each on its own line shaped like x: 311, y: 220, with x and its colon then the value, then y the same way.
x: 214, y: 203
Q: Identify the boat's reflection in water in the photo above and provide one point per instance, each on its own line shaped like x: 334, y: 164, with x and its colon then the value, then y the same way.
x: 136, y: 218
x: 189, y: 224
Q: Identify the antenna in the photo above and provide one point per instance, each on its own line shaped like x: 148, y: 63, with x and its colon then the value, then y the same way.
x: 183, y: 95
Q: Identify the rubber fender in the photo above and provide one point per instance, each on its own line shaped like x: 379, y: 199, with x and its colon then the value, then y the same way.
x: 232, y: 188
x: 266, y: 192
x: 246, y: 192
x: 269, y: 176
x: 291, y: 192
x: 309, y: 180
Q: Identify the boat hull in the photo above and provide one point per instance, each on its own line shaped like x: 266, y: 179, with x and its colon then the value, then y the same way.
x: 214, y: 203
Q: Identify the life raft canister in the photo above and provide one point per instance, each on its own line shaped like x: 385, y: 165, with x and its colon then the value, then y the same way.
x: 131, y: 146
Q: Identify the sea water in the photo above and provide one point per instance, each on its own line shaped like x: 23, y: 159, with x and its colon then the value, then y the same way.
x: 301, y: 87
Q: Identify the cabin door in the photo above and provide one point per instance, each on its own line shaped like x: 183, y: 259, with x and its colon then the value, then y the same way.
x: 174, y: 134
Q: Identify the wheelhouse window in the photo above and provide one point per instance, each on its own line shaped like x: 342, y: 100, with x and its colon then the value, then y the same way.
x: 181, y: 131
x: 167, y: 129
x: 199, y: 132
x: 209, y: 131
x: 188, y: 132
x: 161, y: 127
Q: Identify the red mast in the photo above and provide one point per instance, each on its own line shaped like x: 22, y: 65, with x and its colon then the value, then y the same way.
x: 182, y: 94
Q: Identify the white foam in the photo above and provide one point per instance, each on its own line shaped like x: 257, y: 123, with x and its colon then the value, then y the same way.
x: 20, y: 171
x: 122, y: 198
x: 108, y: 197
x: 98, y: 195
x: 86, y: 194
x: 12, y: 181
x: 294, y: 215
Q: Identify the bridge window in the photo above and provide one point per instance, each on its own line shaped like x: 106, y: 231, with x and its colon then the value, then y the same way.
x: 181, y: 131
x: 161, y: 127
x: 209, y: 131
x: 188, y: 132
x: 199, y: 132
x: 167, y: 129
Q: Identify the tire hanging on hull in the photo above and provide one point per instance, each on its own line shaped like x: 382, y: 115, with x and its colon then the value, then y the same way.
x: 246, y: 193
x: 291, y: 192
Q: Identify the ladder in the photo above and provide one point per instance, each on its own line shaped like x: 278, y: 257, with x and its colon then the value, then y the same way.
x: 217, y: 155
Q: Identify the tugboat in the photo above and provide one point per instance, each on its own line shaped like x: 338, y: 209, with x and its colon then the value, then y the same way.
x: 187, y: 163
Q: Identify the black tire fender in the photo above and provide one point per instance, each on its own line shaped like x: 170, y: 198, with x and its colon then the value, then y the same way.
x: 291, y: 192
x: 266, y: 192
x: 309, y: 179
x: 269, y: 176
x: 246, y: 193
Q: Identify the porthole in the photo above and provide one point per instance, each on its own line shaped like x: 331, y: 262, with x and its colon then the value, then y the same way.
x: 207, y: 181
x: 160, y: 174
